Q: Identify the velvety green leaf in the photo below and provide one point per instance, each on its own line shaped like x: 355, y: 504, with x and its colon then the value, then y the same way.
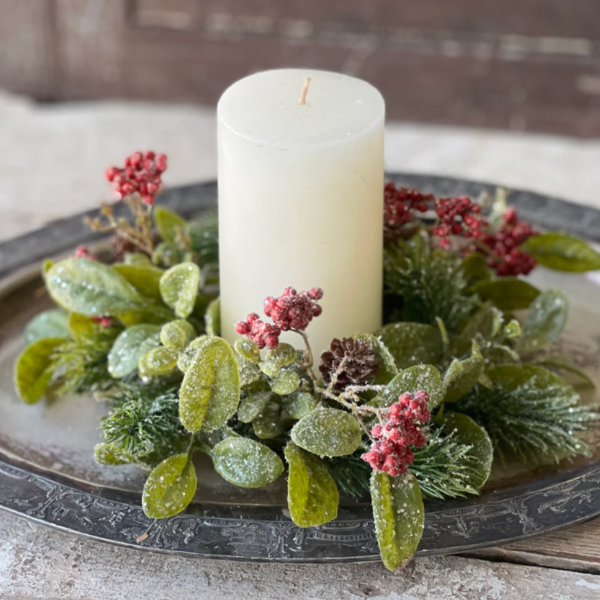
x: 212, y: 318
x: 285, y: 383
x: 545, y: 321
x: 177, y: 334
x: 246, y: 463
x: 252, y: 405
x: 144, y: 278
x: 462, y: 375
x: 129, y: 348
x: 33, y: 369
x: 249, y: 371
x: 159, y: 361
x: 420, y: 377
x: 110, y: 454
x: 53, y: 323
x: 481, y: 456
x: 327, y: 432
x: 268, y: 424
x: 179, y: 288
x: 188, y: 354
x: 167, y: 223
x: 275, y: 359
x: 486, y: 323
x: 562, y: 252
x: 313, y: 497
x: 412, y: 343
x: 210, y: 391
x: 248, y: 349
x: 387, y: 369
x: 91, y: 288
x: 170, y: 487
x: 476, y: 269
x: 399, y: 517
x: 299, y: 404
x: 507, y: 293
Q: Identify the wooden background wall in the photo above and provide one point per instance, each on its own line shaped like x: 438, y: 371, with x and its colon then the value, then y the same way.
x: 516, y: 64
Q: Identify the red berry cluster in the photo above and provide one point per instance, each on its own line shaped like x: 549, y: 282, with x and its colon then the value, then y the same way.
x: 391, y: 453
x: 293, y: 310
x: 141, y: 174
x: 261, y: 333
x: 398, y: 204
x: 459, y: 216
x: 506, y: 258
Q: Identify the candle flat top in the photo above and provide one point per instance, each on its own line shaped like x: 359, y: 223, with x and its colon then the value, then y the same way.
x: 264, y: 107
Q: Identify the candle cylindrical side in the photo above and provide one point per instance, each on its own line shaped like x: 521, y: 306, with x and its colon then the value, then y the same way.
x: 301, y: 199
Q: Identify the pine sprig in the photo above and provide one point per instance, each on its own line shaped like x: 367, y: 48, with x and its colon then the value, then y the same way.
x: 428, y: 284
x: 144, y: 422
x: 531, y: 423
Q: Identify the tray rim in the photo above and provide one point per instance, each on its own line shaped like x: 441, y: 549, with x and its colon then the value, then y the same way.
x: 501, y: 516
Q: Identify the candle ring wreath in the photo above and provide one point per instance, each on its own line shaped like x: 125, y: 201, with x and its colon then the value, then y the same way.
x: 464, y: 372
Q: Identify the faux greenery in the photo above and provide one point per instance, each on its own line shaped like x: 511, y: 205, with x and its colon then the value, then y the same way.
x: 143, y: 333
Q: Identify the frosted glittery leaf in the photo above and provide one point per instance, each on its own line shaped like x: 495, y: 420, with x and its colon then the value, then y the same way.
x: 285, y: 383
x: 51, y: 323
x: 187, y: 355
x: 248, y: 349
x: 252, y: 405
x: 167, y: 223
x: 82, y: 327
x: 399, y: 517
x: 250, y: 372
x: 159, y: 361
x: 137, y: 258
x: 420, y: 377
x: 299, y: 404
x: 506, y: 293
x: 90, y: 288
x: 246, y: 463
x: 327, y: 432
x: 177, y: 334
x: 33, y: 369
x: 129, y: 348
x: 110, y: 454
x: 212, y: 318
x: 268, y: 425
x: 462, y: 375
x: 412, y: 343
x: 179, y: 288
x: 144, y: 278
x: 282, y: 356
x: 545, y: 321
x: 313, y: 497
x: 486, y: 323
x: 210, y: 391
x: 170, y: 487
x: 387, y: 369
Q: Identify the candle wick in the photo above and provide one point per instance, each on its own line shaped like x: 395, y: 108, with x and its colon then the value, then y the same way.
x: 304, y: 91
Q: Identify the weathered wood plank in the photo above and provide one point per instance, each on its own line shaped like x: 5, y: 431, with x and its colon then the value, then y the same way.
x: 36, y: 562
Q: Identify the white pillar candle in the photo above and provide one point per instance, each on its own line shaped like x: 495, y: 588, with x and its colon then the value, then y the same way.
x: 301, y: 198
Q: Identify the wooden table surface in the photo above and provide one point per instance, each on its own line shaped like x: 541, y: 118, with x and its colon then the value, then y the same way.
x: 52, y: 162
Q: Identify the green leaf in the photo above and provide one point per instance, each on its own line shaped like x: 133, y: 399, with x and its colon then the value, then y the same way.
x: 481, y: 455
x: 129, y: 348
x: 268, y: 425
x: 299, y: 404
x: 252, y: 405
x: 210, y: 391
x: 507, y: 293
x: 53, y: 323
x: 179, y: 288
x: 91, y: 288
x: 275, y: 359
x: 34, y: 369
x: 545, y: 321
x: 486, y: 323
x: 246, y: 463
x: 144, y: 278
x: 111, y: 454
x: 562, y: 252
x: 313, y: 497
x: 167, y: 223
x: 137, y: 258
x: 512, y: 330
x: 250, y: 372
x: 412, y: 343
x: 167, y: 254
x: 82, y: 328
x: 158, y: 361
x: 285, y: 383
x: 177, y: 334
x: 476, y: 269
x: 387, y: 369
x: 562, y: 364
x: 462, y: 376
x: 248, y: 349
x: 399, y: 517
x: 212, y: 318
x: 170, y: 487
x: 420, y: 377
x: 327, y: 432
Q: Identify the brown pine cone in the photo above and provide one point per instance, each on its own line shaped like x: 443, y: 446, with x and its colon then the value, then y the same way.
x: 360, y: 367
